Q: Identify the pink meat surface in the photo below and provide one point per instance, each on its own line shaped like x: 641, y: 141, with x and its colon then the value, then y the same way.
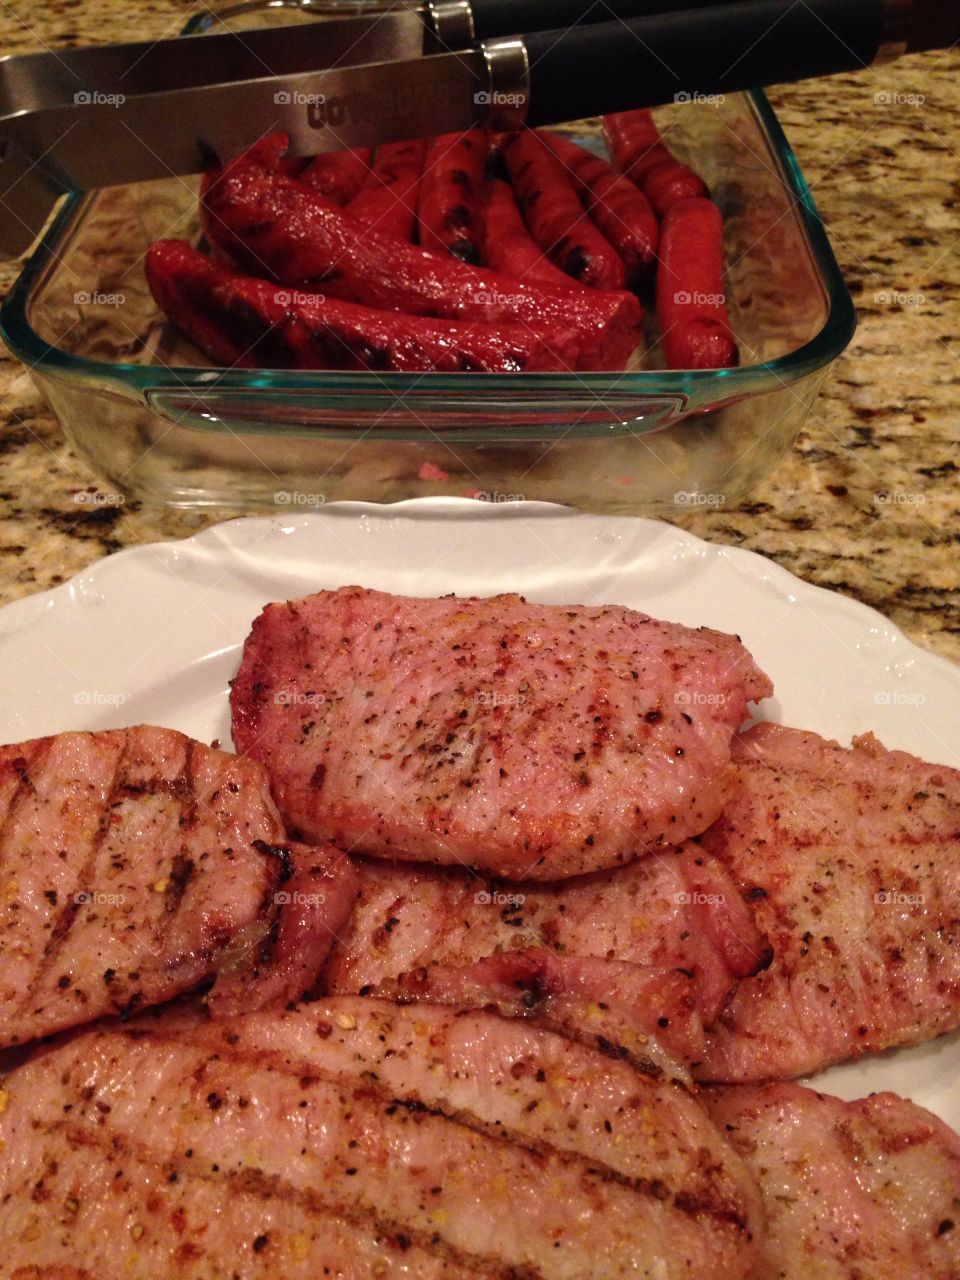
x: 850, y: 859
x: 866, y: 1190
x: 659, y: 945
x: 136, y: 863
x: 535, y: 741
x: 648, y: 1016
x: 359, y: 1139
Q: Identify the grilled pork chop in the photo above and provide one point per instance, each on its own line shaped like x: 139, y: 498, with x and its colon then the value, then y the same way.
x: 818, y: 918
x: 535, y: 741
x: 660, y: 944
x: 851, y: 862
x: 865, y: 1190
x: 135, y: 864
x: 361, y: 1139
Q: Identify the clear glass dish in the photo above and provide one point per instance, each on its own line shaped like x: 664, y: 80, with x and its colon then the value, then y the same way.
x: 139, y: 402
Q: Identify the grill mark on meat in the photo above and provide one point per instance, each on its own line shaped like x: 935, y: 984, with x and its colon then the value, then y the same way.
x: 606, y: 1047
x: 131, y: 1098
x: 184, y: 789
x: 67, y: 916
x: 267, y: 1187
x: 279, y: 851
x: 270, y: 909
x: 188, y: 801
x: 685, y: 1201
x: 24, y: 788
x: 272, y: 1187
x: 409, y: 754
x: 181, y: 873
x: 147, y: 837
x: 694, y: 1206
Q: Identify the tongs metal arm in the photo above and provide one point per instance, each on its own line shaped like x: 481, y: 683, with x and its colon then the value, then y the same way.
x: 150, y: 111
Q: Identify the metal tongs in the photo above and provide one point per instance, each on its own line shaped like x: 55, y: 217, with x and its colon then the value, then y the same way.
x: 95, y: 117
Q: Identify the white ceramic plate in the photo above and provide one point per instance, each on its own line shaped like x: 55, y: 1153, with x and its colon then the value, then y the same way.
x: 154, y: 634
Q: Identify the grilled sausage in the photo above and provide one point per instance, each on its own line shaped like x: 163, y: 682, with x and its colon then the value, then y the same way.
x: 268, y: 223
x: 387, y: 200
x: 450, y: 192
x: 617, y: 206
x: 238, y: 320
x: 507, y: 244
x: 691, y: 307
x: 338, y: 175
x: 557, y: 220
x: 640, y: 153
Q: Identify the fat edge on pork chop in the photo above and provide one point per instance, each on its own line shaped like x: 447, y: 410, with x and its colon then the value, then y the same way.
x: 534, y: 741
x: 643, y: 954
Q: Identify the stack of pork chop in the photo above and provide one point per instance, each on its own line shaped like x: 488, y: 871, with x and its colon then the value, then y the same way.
x: 535, y: 882
x: 579, y: 775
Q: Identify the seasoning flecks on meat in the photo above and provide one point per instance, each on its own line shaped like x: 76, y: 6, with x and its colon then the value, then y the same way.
x: 135, y: 864
x: 356, y: 1138
x: 534, y: 741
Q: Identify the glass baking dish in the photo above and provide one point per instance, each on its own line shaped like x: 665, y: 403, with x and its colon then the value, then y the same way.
x: 143, y: 407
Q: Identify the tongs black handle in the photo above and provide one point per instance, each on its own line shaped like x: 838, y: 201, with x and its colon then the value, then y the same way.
x: 663, y: 57
x: 506, y: 17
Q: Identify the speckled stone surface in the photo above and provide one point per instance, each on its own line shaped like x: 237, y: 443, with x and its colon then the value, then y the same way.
x: 867, y: 502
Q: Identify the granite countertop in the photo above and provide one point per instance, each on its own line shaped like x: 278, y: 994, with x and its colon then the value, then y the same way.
x: 866, y: 503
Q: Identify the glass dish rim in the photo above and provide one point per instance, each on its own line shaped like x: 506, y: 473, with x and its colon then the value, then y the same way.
x: 694, y: 387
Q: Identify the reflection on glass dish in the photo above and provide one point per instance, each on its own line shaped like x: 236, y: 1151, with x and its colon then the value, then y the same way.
x: 144, y: 407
